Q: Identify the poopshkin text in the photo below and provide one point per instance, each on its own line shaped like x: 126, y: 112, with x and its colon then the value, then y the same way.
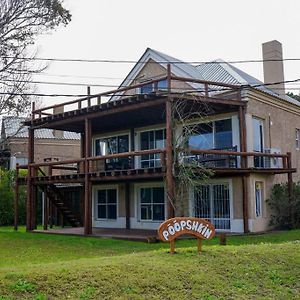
x: 175, y: 227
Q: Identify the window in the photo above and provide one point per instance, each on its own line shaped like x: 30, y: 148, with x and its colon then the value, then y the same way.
x: 152, y: 203
x: 106, y: 205
x: 151, y: 87
x: 154, y: 139
x: 297, y: 138
x: 258, y: 141
x: 258, y: 198
x: 213, y: 135
x: 212, y: 202
x: 113, y: 145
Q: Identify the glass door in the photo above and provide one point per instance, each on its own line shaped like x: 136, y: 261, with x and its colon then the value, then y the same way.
x: 258, y: 141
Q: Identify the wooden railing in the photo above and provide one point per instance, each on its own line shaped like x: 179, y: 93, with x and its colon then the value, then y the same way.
x: 97, y: 99
x: 78, y: 165
x: 205, y: 158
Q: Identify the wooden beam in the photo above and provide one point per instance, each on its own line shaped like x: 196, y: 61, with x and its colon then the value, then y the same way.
x: 46, y: 212
x: 127, y: 204
x: 245, y: 204
x: 29, y: 204
x: 87, y: 183
x: 16, y: 199
x: 170, y: 184
x: 243, y: 141
x: 290, y: 185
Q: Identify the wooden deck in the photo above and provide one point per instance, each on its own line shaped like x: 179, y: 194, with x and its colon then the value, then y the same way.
x: 121, y: 234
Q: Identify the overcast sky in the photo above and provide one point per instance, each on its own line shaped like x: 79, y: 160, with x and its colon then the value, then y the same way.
x: 190, y: 30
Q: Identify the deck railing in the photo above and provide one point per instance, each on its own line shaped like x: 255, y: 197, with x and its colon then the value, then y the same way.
x: 205, y: 88
x: 212, y: 159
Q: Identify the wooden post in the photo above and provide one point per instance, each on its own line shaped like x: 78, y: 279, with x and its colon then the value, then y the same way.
x: 170, y: 185
x: 29, y: 203
x: 87, y: 183
x: 243, y: 141
x: 223, y: 239
x: 172, y: 247
x: 16, y: 199
x: 245, y: 204
x: 290, y: 184
x: 127, y: 204
x: 46, y: 212
x: 199, y: 245
x: 89, y: 93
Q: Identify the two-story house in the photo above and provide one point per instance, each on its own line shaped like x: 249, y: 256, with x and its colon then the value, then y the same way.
x: 167, y: 115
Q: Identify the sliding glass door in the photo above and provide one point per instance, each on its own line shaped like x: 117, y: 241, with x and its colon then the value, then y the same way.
x: 212, y: 202
x: 258, y: 141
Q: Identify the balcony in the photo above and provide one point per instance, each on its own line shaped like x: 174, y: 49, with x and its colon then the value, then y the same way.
x: 126, y: 166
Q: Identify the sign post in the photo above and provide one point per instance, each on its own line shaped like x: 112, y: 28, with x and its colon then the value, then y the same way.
x: 169, y: 230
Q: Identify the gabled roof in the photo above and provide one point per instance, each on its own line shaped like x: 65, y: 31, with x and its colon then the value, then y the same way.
x: 179, y: 68
x: 13, y: 127
x: 217, y: 70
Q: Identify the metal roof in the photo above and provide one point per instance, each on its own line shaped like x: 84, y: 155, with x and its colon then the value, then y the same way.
x: 217, y: 70
x: 13, y: 127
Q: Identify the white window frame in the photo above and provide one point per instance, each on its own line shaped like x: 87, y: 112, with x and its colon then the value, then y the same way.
x: 260, y: 200
x: 110, y: 135
x: 213, y: 182
x: 138, y: 132
x: 137, y: 188
x: 297, y: 138
x: 95, y: 204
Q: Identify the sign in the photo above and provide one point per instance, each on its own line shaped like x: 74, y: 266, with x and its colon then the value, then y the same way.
x: 169, y: 230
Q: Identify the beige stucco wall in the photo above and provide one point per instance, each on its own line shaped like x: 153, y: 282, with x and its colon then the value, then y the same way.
x: 45, y: 148
x: 280, y: 122
x: 153, y: 70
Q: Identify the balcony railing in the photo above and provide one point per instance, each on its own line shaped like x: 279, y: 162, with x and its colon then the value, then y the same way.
x: 117, y: 163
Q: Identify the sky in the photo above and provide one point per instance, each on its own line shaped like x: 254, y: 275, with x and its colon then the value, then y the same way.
x: 190, y: 30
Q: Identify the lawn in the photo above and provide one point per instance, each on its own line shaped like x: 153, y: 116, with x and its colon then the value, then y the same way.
x: 38, y: 266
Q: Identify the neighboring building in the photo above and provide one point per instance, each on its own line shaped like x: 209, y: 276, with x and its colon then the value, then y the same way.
x: 246, y: 133
x: 49, y: 144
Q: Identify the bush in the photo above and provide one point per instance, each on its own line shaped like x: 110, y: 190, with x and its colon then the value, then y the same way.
x: 7, y: 183
x: 286, y: 212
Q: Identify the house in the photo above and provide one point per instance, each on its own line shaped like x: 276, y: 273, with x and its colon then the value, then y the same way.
x: 169, y: 115
x: 49, y: 144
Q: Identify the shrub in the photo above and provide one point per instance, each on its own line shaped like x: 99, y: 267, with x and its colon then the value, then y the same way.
x: 285, y: 211
x: 7, y: 183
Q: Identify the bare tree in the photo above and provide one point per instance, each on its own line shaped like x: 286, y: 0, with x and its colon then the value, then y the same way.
x: 188, y: 172
x: 21, y: 21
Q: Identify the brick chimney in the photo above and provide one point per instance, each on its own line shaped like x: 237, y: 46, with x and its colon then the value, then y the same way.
x: 58, y: 133
x: 273, y: 70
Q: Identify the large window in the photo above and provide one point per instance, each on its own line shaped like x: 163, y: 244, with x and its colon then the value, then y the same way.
x: 154, y: 139
x: 106, y: 204
x: 152, y: 203
x: 212, y: 202
x: 258, y: 198
x: 212, y: 135
x: 113, y: 145
x: 151, y: 87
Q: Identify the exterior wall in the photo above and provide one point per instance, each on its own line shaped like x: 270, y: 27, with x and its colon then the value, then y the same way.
x: 152, y: 70
x: 280, y: 122
x: 46, y: 148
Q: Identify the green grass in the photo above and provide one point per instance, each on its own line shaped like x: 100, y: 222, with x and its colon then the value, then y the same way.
x: 39, y: 266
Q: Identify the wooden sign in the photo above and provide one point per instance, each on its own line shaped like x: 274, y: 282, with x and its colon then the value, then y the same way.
x: 169, y: 230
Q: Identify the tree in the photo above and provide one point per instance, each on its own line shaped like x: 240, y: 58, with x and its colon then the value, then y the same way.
x: 21, y: 21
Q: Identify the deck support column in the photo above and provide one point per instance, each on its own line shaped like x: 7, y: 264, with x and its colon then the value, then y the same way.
x: 170, y: 183
x: 290, y: 184
x: 127, y: 204
x: 30, y: 189
x: 16, y: 199
x: 87, y: 182
x: 45, y: 211
x: 245, y: 204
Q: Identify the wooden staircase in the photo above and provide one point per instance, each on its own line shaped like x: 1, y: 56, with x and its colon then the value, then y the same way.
x: 56, y: 197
